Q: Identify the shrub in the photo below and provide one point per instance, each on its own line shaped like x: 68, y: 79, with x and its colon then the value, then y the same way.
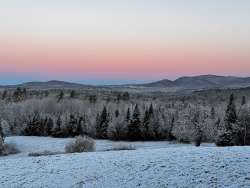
x: 81, y: 144
x: 9, y: 149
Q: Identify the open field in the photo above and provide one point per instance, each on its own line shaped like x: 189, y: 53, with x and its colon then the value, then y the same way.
x: 152, y: 164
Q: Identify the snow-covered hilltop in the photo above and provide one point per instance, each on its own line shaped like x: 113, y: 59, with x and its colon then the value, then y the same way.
x: 152, y: 164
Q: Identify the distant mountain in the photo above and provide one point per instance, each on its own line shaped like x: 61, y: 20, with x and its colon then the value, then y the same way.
x: 203, y: 82
x: 182, y: 83
x: 51, y: 84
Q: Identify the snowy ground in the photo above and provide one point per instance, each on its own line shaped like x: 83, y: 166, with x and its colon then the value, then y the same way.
x: 152, y: 164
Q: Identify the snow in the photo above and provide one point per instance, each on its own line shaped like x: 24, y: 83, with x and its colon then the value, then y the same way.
x: 152, y: 164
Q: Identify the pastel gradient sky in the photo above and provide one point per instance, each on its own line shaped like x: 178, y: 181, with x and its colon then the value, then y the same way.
x: 122, y: 41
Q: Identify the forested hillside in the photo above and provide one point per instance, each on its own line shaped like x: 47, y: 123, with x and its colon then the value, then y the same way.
x: 221, y: 116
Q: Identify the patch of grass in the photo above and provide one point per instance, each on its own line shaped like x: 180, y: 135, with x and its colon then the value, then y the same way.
x: 44, y: 153
x: 9, y: 149
x: 121, y: 147
x: 81, y: 144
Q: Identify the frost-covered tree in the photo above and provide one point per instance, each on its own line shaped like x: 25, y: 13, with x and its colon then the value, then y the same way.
x: 212, y: 113
x: 57, y: 132
x: 48, y: 127
x: 1, y: 141
x: 244, y: 124
x: 128, y: 115
x: 232, y: 133
x: 231, y: 115
x: 102, y: 123
x: 134, y: 132
x: 243, y: 101
x: 4, y: 95
x: 60, y: 96
x: 72, y: 94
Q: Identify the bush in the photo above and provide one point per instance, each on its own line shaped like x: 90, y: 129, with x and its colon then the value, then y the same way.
x: 9, y: 149
x: 81, y: 144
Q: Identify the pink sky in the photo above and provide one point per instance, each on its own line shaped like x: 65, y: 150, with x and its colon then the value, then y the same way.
x: 131, y: 43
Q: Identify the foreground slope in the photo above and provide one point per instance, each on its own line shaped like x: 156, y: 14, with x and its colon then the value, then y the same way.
x: 185, y: 166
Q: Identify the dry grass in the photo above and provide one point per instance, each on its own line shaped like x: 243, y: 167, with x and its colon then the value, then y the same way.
x: 9, y: 149
x: 44, y: 153
x: 122, y: 147
x: 81, y: 144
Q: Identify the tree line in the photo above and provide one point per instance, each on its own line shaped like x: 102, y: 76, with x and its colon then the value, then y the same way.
x: 126, y: 118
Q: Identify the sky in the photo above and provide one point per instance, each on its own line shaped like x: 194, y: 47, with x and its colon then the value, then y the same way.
x: 122, y: 41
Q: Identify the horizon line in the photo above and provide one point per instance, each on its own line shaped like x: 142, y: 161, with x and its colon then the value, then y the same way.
x: 122, y: 82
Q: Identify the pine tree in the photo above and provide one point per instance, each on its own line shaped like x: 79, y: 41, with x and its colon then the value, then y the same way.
x: 72, y: 94
x: 134, y: 132
x: 125, y: 96
x: 60, y: 96
x: 1, y: 132
x: 128, y: 116
x: 102, y: 124
x: 57, y: 132
x: 72, y: 126
x: 145, y: 125
x: 17, y: 95
x: 117, y: 113
x: 212, y: 113
x: 80, y: 123
x: 232, y: 134
x: 49, y: 126
x: 4, y: 95
x: 1, y: 141
x: 243, y: 102
x: 151, y: 110
x: 230, y: 116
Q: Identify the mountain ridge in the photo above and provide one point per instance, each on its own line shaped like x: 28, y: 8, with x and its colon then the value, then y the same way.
x: 184, y: 82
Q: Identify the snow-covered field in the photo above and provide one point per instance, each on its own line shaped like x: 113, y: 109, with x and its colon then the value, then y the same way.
x: 152, y: 164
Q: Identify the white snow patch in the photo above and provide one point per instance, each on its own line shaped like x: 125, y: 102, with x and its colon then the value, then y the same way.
x: 153, y: 164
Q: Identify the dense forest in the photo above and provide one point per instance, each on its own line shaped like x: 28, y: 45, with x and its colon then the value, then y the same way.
x: 220, y: 116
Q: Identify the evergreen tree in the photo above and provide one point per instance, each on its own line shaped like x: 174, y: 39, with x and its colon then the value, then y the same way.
x: 1, y: 141
x: 233, y: 131
x: 125, y: 96
x: 102, y: 124
x: 243, y: 102
x: 145, y: 126
x: 46, y: 93
x: 60, y: 96
x: 57, y: 132
x: 118, y: 97
x: 128, y: 116
x: 24, y: 93
x: 72, y: 126
x: 231, y: 115
x: 1, y: 132
x: 212, y: 113
x: 49, y: 127
x: 92, y: 98
x: 117, y: 113
x: 17, y: 95
x: 134, y: 132
x: 151, y: 110
x: 80, y: 123
x: 72, y: 94
x: 4, y: 95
